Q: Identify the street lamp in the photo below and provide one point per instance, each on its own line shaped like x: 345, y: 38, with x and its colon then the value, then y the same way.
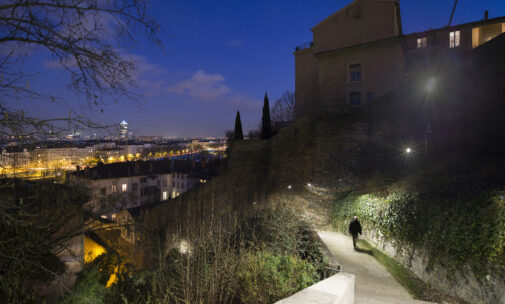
x: 289, y: 187
x: 408, y: 150
x: 430, y: 85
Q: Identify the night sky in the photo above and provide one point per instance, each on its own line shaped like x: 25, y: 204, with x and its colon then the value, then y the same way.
x: 220, y: 56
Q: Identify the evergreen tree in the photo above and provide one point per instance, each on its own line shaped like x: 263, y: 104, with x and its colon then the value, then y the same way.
x: 238, y: 134
x: 266, y: 124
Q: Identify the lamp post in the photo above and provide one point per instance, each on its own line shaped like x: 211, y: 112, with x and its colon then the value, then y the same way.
x: 427, y: 132
x: 430, y: 86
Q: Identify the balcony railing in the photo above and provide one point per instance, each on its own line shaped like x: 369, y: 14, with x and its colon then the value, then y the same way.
x: 304, y: 46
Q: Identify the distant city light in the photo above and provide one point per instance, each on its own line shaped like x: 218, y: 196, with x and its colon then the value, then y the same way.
x: 309, y: 185
x: 430, y: 85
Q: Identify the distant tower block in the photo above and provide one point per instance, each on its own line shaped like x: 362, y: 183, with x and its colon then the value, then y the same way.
x: 123, y: 129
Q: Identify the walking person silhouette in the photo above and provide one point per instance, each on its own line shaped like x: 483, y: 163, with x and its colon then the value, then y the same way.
x: 354, y: 229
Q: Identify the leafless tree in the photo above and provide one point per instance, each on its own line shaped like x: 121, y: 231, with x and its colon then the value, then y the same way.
x: 284, y: 108
x: 87, y: 38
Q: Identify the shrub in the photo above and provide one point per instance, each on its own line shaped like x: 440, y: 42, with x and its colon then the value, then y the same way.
x: 281, y: 231
x: 266, y: 278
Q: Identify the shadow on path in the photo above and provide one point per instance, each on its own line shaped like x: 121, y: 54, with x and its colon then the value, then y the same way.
x: 369, y: 252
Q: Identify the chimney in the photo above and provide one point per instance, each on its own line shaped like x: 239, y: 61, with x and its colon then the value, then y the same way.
x: 486, y: 15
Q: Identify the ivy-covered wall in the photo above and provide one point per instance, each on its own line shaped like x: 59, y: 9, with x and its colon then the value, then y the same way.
x: 456, y: 222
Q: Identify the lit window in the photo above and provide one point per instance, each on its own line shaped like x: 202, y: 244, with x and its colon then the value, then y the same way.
x: 165, y: 195
x: 422, y: 42
x: 454, y: 38
x: 124, y: 187
x: 355, y: 72
x: 113, y: 216
x: 355, y: 98
x: 113, y: 189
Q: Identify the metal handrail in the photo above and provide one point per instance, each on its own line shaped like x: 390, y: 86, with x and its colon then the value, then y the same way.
x: 303, y: 46
x: 327, y: 270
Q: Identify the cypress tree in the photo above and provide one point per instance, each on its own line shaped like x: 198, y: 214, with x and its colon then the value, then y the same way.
x: 266, y: 124
x: 238, y: 134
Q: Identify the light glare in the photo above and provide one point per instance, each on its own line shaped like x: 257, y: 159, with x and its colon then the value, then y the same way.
x: 430, y: 85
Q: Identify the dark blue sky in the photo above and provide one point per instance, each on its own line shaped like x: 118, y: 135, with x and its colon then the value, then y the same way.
x: 220, y: 56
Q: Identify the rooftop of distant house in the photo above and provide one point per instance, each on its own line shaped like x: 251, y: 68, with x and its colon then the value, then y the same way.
x: 194, y: 168
x: 481, y: 22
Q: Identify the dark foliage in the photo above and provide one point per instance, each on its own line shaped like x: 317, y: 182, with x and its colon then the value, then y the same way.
x: 266, y: 123
x: 36, y: 222
x: 238, y: 134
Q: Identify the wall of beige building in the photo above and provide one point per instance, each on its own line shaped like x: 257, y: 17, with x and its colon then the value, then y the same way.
x: 381, y: 69
x: 360, y: 22
x: 366, y: 32
x: 306, y: 82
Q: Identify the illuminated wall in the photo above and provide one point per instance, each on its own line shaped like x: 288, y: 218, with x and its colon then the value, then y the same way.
x: 92, y: 250
x: 483, y: 34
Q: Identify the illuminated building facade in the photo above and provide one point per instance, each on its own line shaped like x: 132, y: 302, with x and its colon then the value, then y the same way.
x: 120, y: 186
x: 123, y: 129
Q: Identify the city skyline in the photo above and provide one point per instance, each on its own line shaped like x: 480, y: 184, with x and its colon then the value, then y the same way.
x: 219, y: 58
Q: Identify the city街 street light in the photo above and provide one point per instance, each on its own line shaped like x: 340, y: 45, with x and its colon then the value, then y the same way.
x: 289, y: 187
x: 430, y: 85
x: 408, y: 150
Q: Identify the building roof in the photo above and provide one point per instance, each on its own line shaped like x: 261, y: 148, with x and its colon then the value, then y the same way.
x: 473, y: 23
x: 147, y: 168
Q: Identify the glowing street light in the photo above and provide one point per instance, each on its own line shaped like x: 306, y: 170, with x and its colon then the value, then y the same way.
x: 430, y: 85
x: 408, y: 150
x: 289, y: 187
x: 309, y: 185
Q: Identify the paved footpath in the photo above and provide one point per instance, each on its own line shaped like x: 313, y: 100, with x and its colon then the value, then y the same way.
x: 374, y: 285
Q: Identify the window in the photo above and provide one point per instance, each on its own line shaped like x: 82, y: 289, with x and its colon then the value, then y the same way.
x: 369, y: 96
x: 164, y: 182
x: 103, y: 191
x: 113, y: 188
x: 173, y: 184
x: 135, y: 186
x: 355, y: 98
x: 422, y: 42
x: 355, y: 72
x: 124, y: 187
x: 182, y: 186
x: 454, y: 38
x: 165, y: 195
x: 143, y: 180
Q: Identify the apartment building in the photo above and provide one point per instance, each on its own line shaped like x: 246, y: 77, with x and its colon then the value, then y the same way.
x: 126, y: 185
x: 360, y: 53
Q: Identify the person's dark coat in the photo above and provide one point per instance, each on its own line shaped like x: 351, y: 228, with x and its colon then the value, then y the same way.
x: 355, y: 227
